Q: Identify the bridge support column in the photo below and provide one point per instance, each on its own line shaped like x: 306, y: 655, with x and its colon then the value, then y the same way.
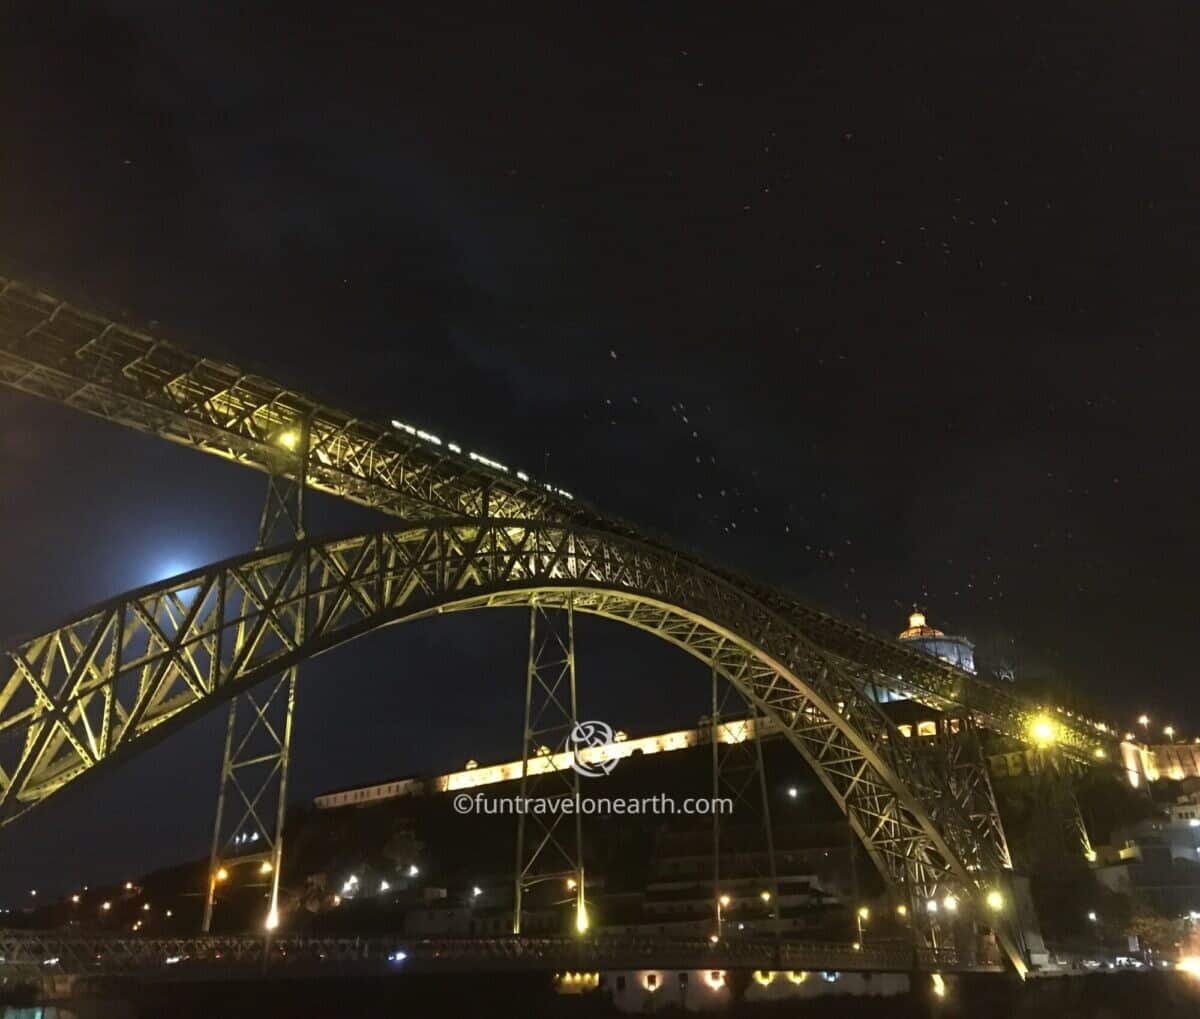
x: 550, y: 845
x: 739, y: 774
x: 258, y: 735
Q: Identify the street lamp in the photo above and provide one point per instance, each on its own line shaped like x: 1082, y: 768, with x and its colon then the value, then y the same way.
x: 862, y: 916
x: 722, y: 902
x: 1143, y: 720
x: 1043, y: 731
x: 1169, y: 732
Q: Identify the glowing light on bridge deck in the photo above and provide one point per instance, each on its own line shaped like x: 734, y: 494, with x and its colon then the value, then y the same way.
x: 763, y: 978
x: 995, y: 901
x: 1189, y: 964
x: 1092, y: 916
x: 221, y: 875
x: 902, y: 910
x: 1043, y: 731
x: 476, y: 892
x: 1169, y: 732
x: 931, y: 906
x: 265, y: 867
x: 793, y: 792
x: 951, y: 904
x: 413, y: 870
x: 572, y: 884
x: 1099, y: 753
x: 1143, y: 720
x: 715, y: 978
x: 272, y: 919
x: 106, y: 906
x: 495, y: 465
x: 864, y: 913
x: 289, y: 439
x: 797, y: 976
x: 765, y: 896
x: 582, y: 923
x: 939, y: 985
x: 724, y: 900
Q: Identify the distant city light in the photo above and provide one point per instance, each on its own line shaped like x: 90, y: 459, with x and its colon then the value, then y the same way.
x: 1092, y: 915
x: 476, y: 892
x: 793, y: 792
x: 413, y: 870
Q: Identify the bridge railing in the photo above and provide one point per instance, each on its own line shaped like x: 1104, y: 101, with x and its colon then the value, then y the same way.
x: 51, y: 954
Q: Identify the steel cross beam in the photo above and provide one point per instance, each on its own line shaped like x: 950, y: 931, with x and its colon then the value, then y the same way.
x: 167, y: 652
x: 84, y: 360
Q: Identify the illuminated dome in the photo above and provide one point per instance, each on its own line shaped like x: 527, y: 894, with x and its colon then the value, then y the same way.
x: 917, y: 627
x: 957, y: 651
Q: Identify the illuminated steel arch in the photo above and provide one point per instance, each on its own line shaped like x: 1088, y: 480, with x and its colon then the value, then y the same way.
x: 93, y: 690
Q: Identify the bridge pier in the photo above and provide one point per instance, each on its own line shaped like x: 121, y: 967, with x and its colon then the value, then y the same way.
x: 257, y: 753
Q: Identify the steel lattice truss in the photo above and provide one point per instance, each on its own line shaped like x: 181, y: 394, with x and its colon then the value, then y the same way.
x: 94, y: 364
x: 549, y: 847
x: 94, y: 689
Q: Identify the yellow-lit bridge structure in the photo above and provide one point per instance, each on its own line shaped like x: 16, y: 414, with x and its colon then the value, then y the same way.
x: 464, y: 533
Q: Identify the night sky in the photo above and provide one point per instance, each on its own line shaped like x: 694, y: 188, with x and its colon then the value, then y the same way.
x: 886, y: 306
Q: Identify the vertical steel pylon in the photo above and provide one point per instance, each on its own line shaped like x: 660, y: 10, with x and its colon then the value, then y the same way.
x: 258, y: 734
x: 551, y: 716
x: 737, y: 768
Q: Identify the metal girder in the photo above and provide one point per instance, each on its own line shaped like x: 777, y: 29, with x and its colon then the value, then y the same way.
x: 91, y: 363
x: 169, y: 651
